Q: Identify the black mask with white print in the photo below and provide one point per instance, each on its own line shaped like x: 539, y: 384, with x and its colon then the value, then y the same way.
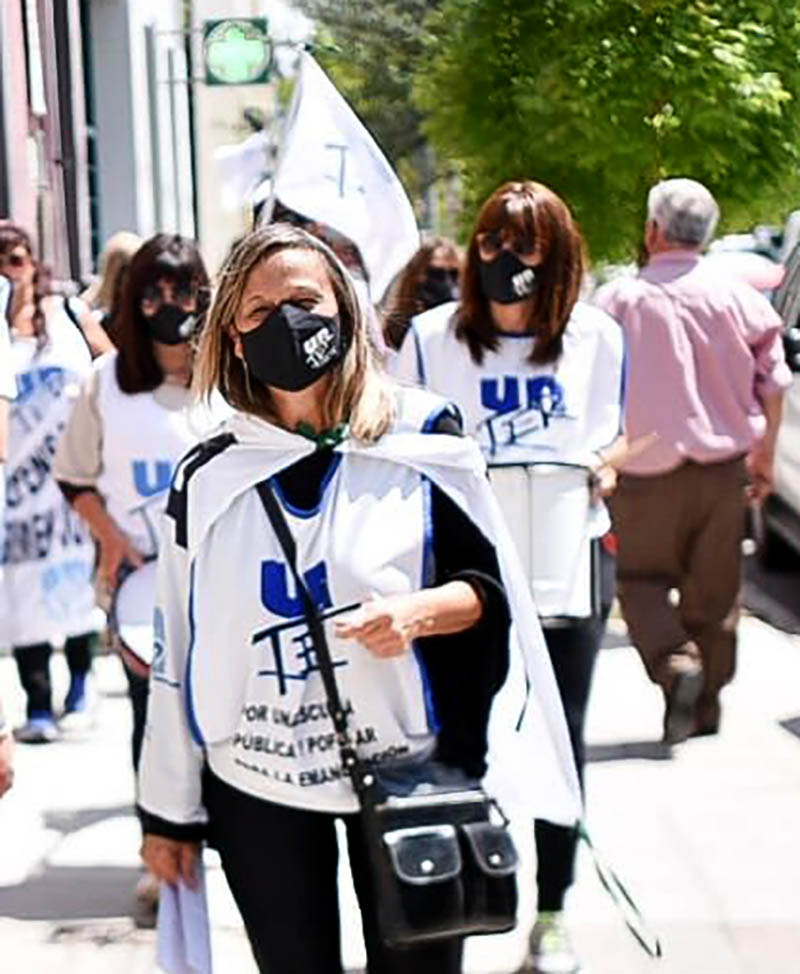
x: 292, y: 347
x: 506, y: 279
x: 171, y: 324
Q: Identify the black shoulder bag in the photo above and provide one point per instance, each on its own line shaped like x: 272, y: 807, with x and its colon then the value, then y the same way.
x: 442, y: 860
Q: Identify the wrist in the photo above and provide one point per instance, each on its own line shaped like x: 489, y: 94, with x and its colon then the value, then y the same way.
x: 422, y: 617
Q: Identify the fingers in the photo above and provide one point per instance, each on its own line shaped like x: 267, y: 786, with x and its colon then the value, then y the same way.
x: 107, y: 574
x: 134, y: 556
x: 6, y: 776
x: 361, y: 623
x: 188, y: 864
x: 163, y: 858
x: 378, y: 636
x: 758, y: 491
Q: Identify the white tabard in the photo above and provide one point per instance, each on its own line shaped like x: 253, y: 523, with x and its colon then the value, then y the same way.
x: 48, y: 553
x: 283, y: 747
x: 537, y: 426
x: 142, y: 443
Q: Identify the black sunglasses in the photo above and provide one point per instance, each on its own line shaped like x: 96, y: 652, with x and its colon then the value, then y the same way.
x: 494, y: 240
x: 14, y: 260
x: 152, y: 294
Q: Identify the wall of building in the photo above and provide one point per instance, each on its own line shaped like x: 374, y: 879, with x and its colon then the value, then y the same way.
x: 141, y: 116
x: 19, y: 161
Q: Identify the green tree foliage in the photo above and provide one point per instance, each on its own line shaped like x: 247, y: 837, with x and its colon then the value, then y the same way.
x: 599, y: 98
x: 371, y: 48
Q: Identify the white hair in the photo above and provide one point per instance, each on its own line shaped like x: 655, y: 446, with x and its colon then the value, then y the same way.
x: 685, y: 210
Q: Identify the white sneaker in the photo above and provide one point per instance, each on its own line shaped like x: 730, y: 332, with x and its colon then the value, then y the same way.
x: 549, y: 948
x: 146, y: 890
x: 145, y: 909
x: 40, y: 728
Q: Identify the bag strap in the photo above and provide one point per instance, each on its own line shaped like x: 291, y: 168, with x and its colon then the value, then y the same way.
x: 622, y: 899
x: 363, y: 781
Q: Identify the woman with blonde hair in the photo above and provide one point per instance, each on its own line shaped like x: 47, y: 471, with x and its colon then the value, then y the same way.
x: 241, y: 743
x: 98, y: 305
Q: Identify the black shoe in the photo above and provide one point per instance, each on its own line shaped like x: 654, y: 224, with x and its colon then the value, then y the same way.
x: 706, y: 717
x: 679, y: 717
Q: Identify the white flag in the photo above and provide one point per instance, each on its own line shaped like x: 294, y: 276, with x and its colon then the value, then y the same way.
x: 331, y: 170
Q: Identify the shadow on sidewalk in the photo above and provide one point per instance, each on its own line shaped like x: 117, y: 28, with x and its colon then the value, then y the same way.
x: 629, y: 751
x: 66, y: 893
x: 73, y: 820
x: 772, y: 595
x: 792, y: 724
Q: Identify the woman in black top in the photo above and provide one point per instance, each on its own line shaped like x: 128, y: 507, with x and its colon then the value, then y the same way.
x: 286, y: 345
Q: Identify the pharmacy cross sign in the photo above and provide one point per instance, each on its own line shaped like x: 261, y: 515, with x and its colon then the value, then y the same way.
x: 237, y: 52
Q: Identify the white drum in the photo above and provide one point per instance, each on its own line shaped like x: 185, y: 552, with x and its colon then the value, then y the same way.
x: 548, y: 509
x: 131, y: 617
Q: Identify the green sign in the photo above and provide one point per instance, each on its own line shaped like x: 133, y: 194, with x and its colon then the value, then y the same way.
x: 237, y: 52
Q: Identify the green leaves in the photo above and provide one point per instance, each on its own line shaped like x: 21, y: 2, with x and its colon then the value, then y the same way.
x: 598, y: 98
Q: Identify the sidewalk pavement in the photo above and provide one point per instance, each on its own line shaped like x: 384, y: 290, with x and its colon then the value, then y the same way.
x: 706, y: 837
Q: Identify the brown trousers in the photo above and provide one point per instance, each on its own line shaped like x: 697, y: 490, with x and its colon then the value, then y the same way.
x: 679, y: 538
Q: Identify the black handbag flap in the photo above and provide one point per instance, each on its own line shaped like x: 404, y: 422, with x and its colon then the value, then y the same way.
x: 425, y: 854
x: 492, y: 847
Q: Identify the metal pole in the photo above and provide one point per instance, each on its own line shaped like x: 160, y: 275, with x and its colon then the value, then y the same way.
x: 176, y: 175
x: 151, y: 55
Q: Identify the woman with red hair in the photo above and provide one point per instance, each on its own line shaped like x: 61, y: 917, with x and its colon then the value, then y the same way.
x: 539, y: 378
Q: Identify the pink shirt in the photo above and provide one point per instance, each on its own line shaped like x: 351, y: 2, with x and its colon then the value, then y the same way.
x: 703, y: 347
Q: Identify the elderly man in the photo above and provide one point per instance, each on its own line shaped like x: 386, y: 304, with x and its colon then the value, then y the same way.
x: 706, y: 379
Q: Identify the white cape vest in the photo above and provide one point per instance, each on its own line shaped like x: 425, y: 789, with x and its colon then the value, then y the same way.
x: 530, y: 760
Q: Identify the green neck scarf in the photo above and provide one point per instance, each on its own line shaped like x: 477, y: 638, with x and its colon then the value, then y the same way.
x: 326, y: 438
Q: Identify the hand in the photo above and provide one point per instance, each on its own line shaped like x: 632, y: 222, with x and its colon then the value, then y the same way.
x: 6, y: 763
x: 603, y: 481
x: 385, y: 626
x: 115, y: 548
x: 760, y: 465
x: 171, y: 860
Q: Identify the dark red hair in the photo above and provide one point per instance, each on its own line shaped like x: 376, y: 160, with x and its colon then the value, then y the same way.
x: 13, y: 235
x: 528, y: 211
x: 165, y: 257
x: 404, y: 302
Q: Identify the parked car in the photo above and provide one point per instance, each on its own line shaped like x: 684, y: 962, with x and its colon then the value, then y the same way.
x: 778, y: 521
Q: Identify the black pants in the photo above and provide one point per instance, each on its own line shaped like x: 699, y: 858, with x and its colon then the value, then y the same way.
x: 138, y: 690
x: 281, y: 863
x: 573, y: 651
x: 33, y: 665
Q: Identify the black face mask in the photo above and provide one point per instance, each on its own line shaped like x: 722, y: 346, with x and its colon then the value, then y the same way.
x: 440, y: 285
x: 506, y: 279
x: 171, y: 325
x: 292, y: 347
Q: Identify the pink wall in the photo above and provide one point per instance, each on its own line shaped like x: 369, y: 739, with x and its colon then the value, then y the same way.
x: 21, y: 177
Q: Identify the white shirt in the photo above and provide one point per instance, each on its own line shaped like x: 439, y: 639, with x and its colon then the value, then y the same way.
x: 8, y: 383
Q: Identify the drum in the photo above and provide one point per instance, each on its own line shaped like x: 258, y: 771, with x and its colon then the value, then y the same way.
x: 548, y: 509
x: 131, y: 617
